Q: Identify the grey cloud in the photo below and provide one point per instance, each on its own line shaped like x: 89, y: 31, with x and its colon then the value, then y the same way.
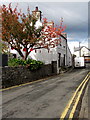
x: 75, y: 15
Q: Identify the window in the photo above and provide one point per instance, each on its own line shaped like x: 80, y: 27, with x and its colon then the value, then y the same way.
x: 60, y: 44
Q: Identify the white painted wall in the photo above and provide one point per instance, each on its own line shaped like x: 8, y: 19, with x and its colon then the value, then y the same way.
x: 69, y: 57
x: 44, y: 55
x: 62, y: 49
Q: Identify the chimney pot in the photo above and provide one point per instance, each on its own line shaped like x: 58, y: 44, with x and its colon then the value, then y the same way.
x: 36, y: 9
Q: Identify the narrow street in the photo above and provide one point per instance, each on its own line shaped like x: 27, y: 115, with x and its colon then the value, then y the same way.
x: 45, y: 99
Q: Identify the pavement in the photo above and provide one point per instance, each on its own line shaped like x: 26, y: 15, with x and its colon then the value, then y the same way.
x: 46, y: 99
x: 84, y: 106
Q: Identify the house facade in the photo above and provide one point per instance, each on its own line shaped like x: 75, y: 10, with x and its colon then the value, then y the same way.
x: 61, y: 54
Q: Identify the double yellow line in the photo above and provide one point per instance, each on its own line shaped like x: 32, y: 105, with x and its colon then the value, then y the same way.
x: 75, y: 98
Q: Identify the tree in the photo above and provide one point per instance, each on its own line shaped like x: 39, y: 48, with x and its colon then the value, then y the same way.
x: 19, y: 31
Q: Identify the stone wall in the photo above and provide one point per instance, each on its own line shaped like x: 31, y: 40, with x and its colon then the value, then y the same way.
x: 17, y: 75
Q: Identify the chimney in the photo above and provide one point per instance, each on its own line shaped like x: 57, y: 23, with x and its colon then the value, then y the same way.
x: 37, y: 13
x: 36, y: 9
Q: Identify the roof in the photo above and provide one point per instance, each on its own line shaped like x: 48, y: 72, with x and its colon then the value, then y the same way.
x: 63, y: 36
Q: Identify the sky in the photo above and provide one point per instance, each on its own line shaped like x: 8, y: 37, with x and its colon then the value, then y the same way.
x: 75, y: 17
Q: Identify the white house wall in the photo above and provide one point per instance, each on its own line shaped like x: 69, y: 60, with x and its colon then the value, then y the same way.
x: 69, y: 57
x: 85, y: 52
x: 62, y: 50
x: 44, y: 55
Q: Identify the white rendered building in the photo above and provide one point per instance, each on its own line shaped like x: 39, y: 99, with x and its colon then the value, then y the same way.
x: 61, y: 54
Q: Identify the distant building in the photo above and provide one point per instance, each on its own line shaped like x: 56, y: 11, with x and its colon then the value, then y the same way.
x: 87, y: 59
x: 83, y: 51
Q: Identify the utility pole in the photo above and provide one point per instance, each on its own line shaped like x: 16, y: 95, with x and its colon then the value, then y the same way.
x: 79, y: 50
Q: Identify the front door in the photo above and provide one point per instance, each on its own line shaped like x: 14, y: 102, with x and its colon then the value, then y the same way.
x: 59, y: 59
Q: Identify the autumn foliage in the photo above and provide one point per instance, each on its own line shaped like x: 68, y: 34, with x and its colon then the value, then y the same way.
x: 20, y: 32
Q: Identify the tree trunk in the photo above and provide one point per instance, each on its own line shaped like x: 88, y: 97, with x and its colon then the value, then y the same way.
x: 26, y: 55
x: 20, y: 53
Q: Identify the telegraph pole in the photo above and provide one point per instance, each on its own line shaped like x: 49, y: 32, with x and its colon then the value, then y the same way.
x: 79, y: 50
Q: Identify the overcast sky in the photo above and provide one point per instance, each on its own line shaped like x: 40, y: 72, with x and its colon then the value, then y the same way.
x: 75, y: 15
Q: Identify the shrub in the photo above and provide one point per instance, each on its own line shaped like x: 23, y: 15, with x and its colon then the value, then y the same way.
x: 31, y: 64
x: 34, y: 65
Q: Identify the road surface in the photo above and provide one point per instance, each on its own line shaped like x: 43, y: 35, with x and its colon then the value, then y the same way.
x: 46, y: 99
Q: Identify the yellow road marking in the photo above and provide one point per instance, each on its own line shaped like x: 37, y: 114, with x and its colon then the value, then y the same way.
x: 22, y: 84
x: 77, y: 100
x: 71, y: 100
x: 16, y: 86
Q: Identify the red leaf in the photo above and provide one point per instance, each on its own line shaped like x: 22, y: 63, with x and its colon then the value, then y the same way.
x: 31, y: 49
x: 24, y: 49
x: 12, y: 48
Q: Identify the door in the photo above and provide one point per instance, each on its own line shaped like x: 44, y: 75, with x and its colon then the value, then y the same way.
x: 59, y: 59
x: 64, y: 60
